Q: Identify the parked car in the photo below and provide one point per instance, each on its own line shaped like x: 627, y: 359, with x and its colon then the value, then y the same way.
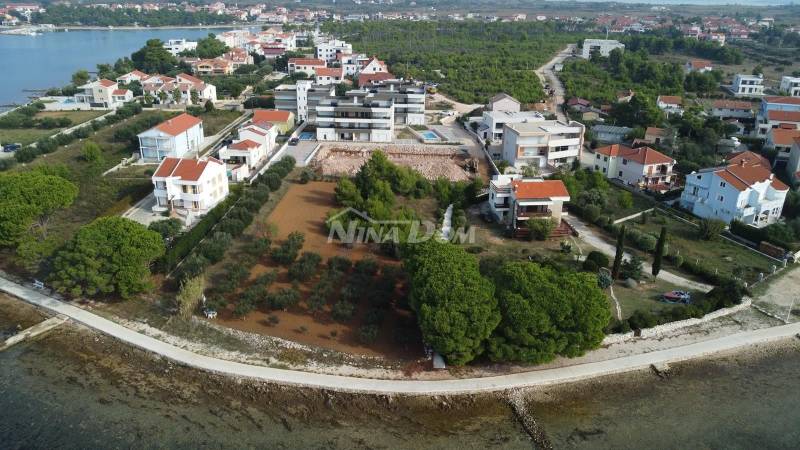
x: 677, y: 297
x: 294, y: 141
x: 8, y: 148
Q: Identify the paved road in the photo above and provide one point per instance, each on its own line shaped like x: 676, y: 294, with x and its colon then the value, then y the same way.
x: 590, y: 236
x: 547, y: 75
x: 409, y: 387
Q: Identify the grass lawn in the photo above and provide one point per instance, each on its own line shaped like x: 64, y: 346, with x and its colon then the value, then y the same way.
x: 645, y: 297
x: 98, y: 195
x: 617, y: 212
x: 405, y: 134
x: 723, y: 255
x: 26, y: 136
x: 216, y: 120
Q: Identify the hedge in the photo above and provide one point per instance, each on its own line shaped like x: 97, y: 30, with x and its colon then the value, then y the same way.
x: 757, y: 235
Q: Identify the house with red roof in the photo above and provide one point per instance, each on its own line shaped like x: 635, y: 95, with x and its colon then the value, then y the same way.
x: 307, y: 66
x: 328, y: 75
x: 777, y: 112
x: 514, y: 200
x: 179, y: 137
x: 102, y: 93
x: 699, y: 65
x: 781, y: 140
x: 189, y: 188
x: 283, y: 120
x: 643, y: 167
x: 670, y: 104
x: 250, y: 151
x: 793, y: 164
x: 745, y: 189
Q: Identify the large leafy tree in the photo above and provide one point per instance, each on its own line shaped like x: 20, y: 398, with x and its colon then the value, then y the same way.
x: 546, y: 313
x: 29, y: 199
x: 109, y: 256
x: 154, y: 58
x: 455, y: 305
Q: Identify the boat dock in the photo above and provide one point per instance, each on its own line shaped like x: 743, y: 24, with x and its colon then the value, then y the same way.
x: 32, y: 332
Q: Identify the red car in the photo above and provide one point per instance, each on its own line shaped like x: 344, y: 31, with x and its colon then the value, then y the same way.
x: 677, y: 297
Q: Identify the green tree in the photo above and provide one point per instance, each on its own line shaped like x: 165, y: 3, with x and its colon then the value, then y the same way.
x: 154, y: 58
x: 190, y: 296
x: 545, y: 313
x: 28, y: 199
x: 540, y: 229
x: 455, y: 305
x: 619, y: 253
x: 80, y: 77
x: 111, y: 255
x: 710, y: 229
x: 167, y: 228
x: 91, y: 153
x: 662, y: 240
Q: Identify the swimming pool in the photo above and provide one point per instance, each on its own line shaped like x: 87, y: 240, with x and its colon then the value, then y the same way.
x: 306, y: 136
x: 429, y: 135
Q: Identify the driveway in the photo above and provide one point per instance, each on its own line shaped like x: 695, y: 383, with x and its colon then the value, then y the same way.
x: 142, y: 211
x: 301, y: 151
x: 547, y: 75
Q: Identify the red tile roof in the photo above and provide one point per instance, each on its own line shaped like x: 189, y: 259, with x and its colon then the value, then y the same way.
x: 646, y: 156
x: 784, y: 116
x: 670, y: 99
x: 367, y: 78
x: 656, y: 131
x: 612, y: 150
x: 732, y: 104
x: 748, y: 157
x: 178, y: 125
x: 106, y: 83
x: 783, y: 100
x: 246, y: 144
x: 784, y: 137
x: 189, y: 78
x: 329, y: 72
x: 699, y: 63
x: 119, y: 92
x: 270, y: 115
x: 307, y: 61
x: 185, y: 169
x: 539, y: 189
x: 748, y: 168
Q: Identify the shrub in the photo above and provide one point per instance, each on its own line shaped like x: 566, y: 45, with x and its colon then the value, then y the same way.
x: 305, y: 177
x: 604, y: 280
x: 214, y: 248
x: 632, y: 268
x: 241, y: 214
x: 592, y: 213
x: 259, y: 247
x: 339, y: 264
x: 283, y: 299
x: 243, y: 308
x: 366, y: 266
x: 192, y: 267
x: 625, y: 200
x: 541, y: 228
x: 272, y: 180
x: 343, y: 310
x: 368, y: 334
x: 599, y: 258
x: 250, y: 204
x: 374, y: 316
x: 233, y: 227
x: 589, y: 266
x: 305, y: 267
x: 287, y: 252
x: 710, y: 229
x: 260, y: 193
x: 236, y: 273
x: 266, y: 278
x: 646, y: 242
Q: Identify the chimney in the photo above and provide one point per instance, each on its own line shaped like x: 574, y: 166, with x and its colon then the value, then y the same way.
x: 741, y: 162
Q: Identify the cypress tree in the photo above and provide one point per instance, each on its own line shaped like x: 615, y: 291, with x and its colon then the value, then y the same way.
x: 620, y: 251
x: 662, y: 239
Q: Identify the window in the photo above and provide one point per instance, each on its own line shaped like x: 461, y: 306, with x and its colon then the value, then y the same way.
x: 624, y: 162
x: 620, y: 173
x: 721, y: 198
x: 605, y: 158
x: 597, y: 156
x: 694, y: 190
x: 604, y: 170
x: 722, y: 184
x: 596, y: 167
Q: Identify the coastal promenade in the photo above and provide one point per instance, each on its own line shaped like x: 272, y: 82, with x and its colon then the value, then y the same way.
x: 402, y: 387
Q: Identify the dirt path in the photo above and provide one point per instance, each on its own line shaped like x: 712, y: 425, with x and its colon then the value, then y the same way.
x: 547, y: 75
x: 461, y: 108
x: 782, y: 295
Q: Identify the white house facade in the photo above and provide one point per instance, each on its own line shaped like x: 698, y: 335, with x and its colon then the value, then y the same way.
x: 603, y: 46
x: 189, y: 187
x: 544, y: 144
x: 178, y: 137
x: 791, y: 86
x: 642, y: 167
x: 748, y: 85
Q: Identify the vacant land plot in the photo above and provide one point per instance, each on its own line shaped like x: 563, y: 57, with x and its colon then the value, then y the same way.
x: 215, y: 121
x: 432, y: 161
x: 721, y: 255
x: 646, y: 297
x: 26, y: 136
x: 303, y: 208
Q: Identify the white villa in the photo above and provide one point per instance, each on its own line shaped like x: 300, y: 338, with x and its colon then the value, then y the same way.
x: 307, y: 66
x: 732, y: 109
x: 514, y: 199
x: 603, y: 46
x: 331, y: 49
x: 642, y: 167
x: 745, y: 190
x: 778, y: 112
x: 178, y: 46
x: 790, y: 85
x: 178, y: 137
x: 189, y: 187
x: 103, y: 94
x: 748, y: 85
x: 670, y: 104
x: 256, y: 141
x: 543, y: 144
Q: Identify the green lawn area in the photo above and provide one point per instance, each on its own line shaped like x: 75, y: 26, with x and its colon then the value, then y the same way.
x: 727, y: 257
x: 26, y: 136
x: 98, y: 195
x: 215, y: 121
x: 640, y: 203
x: 645, y: 297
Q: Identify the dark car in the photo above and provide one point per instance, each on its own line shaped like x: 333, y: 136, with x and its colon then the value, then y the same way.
x: 8, y: 148
x: 294, y: 141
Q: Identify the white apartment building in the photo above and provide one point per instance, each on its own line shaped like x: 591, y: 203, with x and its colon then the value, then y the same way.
x: 744, y: 190
x: 102, y: 94
x: 328, y: 75
x: 643, y: 167
x: 791, y: 86
x: 544, y: 144
x: 301, y: 98
x: 603, y: 46
x: 748, y: 85
x: 178, y: 46
x: 251, y: 150
x: 492, y: 123
x: 189, y: 187
x: 357, y: 116
x: 330, y: 49
x: 178, y: 137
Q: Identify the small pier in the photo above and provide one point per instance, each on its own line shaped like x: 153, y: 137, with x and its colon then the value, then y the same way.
x: 32, y: 332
